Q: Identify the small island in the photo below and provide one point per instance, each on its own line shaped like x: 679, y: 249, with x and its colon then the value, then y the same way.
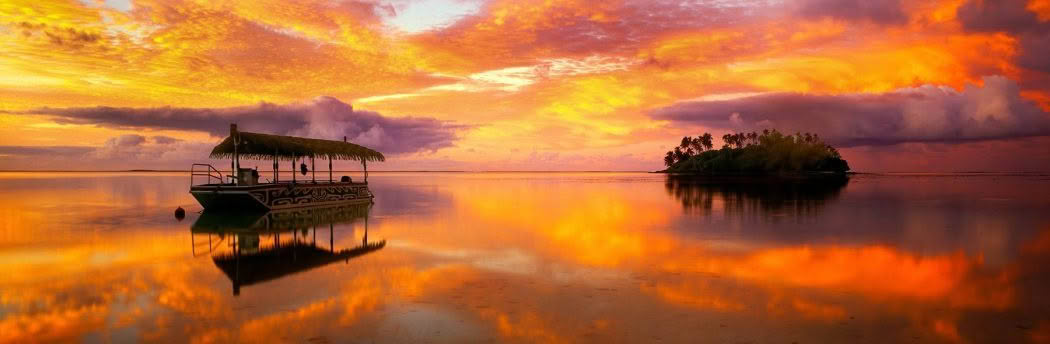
x: 766, y: 154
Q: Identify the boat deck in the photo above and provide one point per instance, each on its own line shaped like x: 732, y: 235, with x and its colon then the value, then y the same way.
x: 285, y: 183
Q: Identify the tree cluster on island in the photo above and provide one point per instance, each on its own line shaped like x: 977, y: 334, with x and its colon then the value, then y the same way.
x: 767, y: 153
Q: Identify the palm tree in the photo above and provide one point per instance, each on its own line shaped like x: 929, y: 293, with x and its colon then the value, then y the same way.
x: 706, y: 141
x: 696, y: 145
x: 669, y: 159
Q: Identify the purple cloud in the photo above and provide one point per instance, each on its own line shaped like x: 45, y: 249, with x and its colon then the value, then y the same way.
x: 124, y: 151
x: 164, y: 140
x: 324, y: 117
x: 45, y: 150
x: 879, y: 11
x: 998, y: 16
x: 126, y: 141
x: 923, y: 114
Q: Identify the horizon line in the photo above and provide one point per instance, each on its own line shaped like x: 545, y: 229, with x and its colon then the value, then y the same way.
x: 480, y: 171
x: 342, y: 171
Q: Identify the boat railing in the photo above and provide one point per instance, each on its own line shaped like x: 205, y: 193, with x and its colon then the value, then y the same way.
x: 207, y: 171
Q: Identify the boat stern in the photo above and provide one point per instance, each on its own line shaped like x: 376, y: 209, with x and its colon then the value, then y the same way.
x: 214, y: 198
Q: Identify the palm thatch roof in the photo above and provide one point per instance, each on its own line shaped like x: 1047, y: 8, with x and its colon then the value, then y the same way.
x: 257, y: 146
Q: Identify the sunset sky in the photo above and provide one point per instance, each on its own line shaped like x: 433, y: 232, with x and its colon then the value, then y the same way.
x: 908, y: 85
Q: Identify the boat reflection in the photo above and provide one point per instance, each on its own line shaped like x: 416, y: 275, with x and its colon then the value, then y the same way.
x: 235, y: 241
x: 754, y: 196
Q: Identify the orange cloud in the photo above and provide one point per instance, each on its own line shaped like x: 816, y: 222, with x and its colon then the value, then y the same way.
x: 565, y: 77
x: 59, y: 325
x: 1041, y: 8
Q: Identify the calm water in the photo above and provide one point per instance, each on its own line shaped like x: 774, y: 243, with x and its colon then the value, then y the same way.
x: 505, y: 257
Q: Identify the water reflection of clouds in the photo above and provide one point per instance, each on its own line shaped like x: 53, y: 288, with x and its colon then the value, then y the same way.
x: 401, y: 197
x: 777, y: 280
x: 594, y: 262
x: 68, y: 204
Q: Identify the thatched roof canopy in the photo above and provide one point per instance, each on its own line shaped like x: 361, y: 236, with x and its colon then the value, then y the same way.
x: 257, y: 146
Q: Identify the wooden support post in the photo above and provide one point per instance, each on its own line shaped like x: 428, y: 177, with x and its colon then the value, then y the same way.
x: 275, y: 169
x: 330, y: 180
x: 344, y: 139
x: 233, y: 159
x: 293, y: 169
x: 331, y: 238
x: 234, y: 163
x: 365, y: 164
x: 313, y: 170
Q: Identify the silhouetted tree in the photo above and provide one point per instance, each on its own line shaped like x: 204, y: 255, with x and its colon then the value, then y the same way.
x: 696, y: 144
x: 706, y: 141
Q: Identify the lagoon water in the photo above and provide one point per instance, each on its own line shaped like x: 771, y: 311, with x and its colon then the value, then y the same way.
x: 534, y: 257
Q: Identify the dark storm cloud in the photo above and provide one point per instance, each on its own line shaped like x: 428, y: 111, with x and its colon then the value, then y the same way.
x: 924, y: 114
x: 1012, y: 17
x: 879, y: 11
x: 325, y: 117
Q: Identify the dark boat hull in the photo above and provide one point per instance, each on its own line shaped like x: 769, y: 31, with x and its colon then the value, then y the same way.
x: 266, y: 197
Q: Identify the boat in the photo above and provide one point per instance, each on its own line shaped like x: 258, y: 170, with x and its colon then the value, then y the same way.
x: 243, y: 191
x: 256, y: 247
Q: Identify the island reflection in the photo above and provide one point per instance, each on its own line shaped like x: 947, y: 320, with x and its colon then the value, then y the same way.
x: 699, y: 194
x: 248, y: 259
